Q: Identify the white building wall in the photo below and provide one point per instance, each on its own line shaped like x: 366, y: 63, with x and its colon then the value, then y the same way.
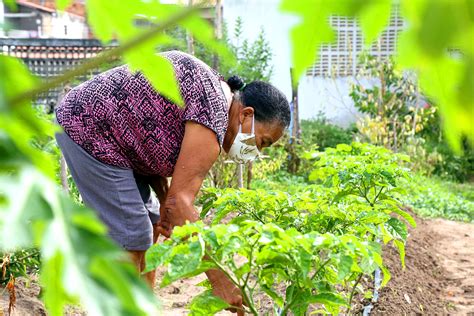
x: 315, y: 93
x: 330, y: 97
x: 264, y: 13
x: 2, y: 19
x: 66, y: 25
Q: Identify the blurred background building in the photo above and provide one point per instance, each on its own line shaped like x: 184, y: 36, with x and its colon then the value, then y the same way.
x: 41, y: 19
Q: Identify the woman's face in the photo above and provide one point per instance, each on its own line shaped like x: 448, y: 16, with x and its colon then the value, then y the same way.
x: 266, y: 133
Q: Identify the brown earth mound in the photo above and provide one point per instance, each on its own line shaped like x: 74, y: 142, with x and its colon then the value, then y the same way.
x: 439, y: 274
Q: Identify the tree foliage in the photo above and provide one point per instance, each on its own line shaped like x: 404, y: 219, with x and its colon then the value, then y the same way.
x: 396, y: 110
x: 253, y: 57
x: 437, y: 44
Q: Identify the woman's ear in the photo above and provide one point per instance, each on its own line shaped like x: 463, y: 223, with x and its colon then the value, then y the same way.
x: 247, y: 111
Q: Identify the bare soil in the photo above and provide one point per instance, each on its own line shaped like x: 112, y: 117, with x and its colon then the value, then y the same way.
x: 439, y: 274
x: 438, y: 278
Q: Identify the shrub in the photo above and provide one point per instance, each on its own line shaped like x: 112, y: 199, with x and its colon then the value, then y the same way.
x: 322, y: 133
x: 308, y: 248
x: 431, y: 197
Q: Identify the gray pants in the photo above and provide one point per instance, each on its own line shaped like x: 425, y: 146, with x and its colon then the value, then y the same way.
x: 122, y: 199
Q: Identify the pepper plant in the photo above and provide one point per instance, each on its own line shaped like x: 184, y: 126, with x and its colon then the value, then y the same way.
x: 306, y: 250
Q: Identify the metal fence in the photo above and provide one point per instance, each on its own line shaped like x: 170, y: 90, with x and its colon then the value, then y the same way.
x: 47, y: 58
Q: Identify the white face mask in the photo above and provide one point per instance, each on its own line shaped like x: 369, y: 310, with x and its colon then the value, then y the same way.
x: 244, y: 148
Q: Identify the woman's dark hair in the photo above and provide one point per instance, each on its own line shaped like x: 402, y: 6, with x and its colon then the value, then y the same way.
x: 268, y: 102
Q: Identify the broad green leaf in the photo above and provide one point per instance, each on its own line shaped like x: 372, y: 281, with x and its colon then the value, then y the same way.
x: 401, y: 249
x: 11, y: 4
x: 79, y: 259
x: 11, y: 67
x: 312, y: 30
x: 55, y: 296
x: 205, y: 284
x: 22, y: 126
x: 28, y: 207
x: 156, y: 68
x: 273, y: 295
x: 206, y: 304
x: 89, y: 222
x: 374, y: 18
x: 405, y: 215
x: 157, y: 255
x: 108, y: 274
x: 63, y: 4
x: 445, y: 78
x: 344, y: 148
x: 300, y: 301
x: 433, y: 36
x: 345, y: 267
x: 185, y: 260
x: 342, y: 194
x: 109, y: 18
x: 397, y: 228
x: 328, y: 298
x: 304, y: 260
x: 386, y: 275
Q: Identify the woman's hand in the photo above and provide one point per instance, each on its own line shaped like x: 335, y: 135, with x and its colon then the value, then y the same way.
x: 226, y: 290
x: 176, y: 212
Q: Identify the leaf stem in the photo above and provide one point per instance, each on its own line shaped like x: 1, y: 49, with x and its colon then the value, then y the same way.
x: 353, y: 292
x: 320, y: 268
x: 377, y: 196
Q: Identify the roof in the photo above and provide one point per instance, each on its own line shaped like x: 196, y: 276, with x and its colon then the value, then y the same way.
x: 77, y: 7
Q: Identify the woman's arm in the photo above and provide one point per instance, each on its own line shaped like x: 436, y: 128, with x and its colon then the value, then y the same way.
x: 160, y: 187
x: 199, y: 151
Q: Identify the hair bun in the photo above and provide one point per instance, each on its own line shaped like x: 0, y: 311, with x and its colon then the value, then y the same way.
x: 235, y: 83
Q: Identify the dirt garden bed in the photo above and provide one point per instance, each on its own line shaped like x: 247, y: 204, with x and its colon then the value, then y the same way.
x: 438, y: 279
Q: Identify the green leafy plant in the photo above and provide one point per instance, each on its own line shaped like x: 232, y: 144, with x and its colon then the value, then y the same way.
x: 431, y: 197
x: 253, y: 58
x: 321, y: 132
x: 393, y: 105
x: 18, y: 263
x: 307, y: 249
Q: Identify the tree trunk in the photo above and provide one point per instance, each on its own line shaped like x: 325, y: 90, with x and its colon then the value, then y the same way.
x: 249, y: 174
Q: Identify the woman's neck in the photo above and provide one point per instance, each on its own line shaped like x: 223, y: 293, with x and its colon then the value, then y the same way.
x: 228, y: 93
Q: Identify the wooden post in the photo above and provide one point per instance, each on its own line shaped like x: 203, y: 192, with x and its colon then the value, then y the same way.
x: 62, y: 161
x: 295, y: 132
x: 249, y: 174
x: 296, y: 117
x: 217, y: 30
x: 240, y: 175
x: 189, y: 36
x: 63, y: 173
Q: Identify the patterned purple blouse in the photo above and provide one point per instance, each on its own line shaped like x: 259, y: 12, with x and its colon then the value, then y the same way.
x: 120, y: 120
